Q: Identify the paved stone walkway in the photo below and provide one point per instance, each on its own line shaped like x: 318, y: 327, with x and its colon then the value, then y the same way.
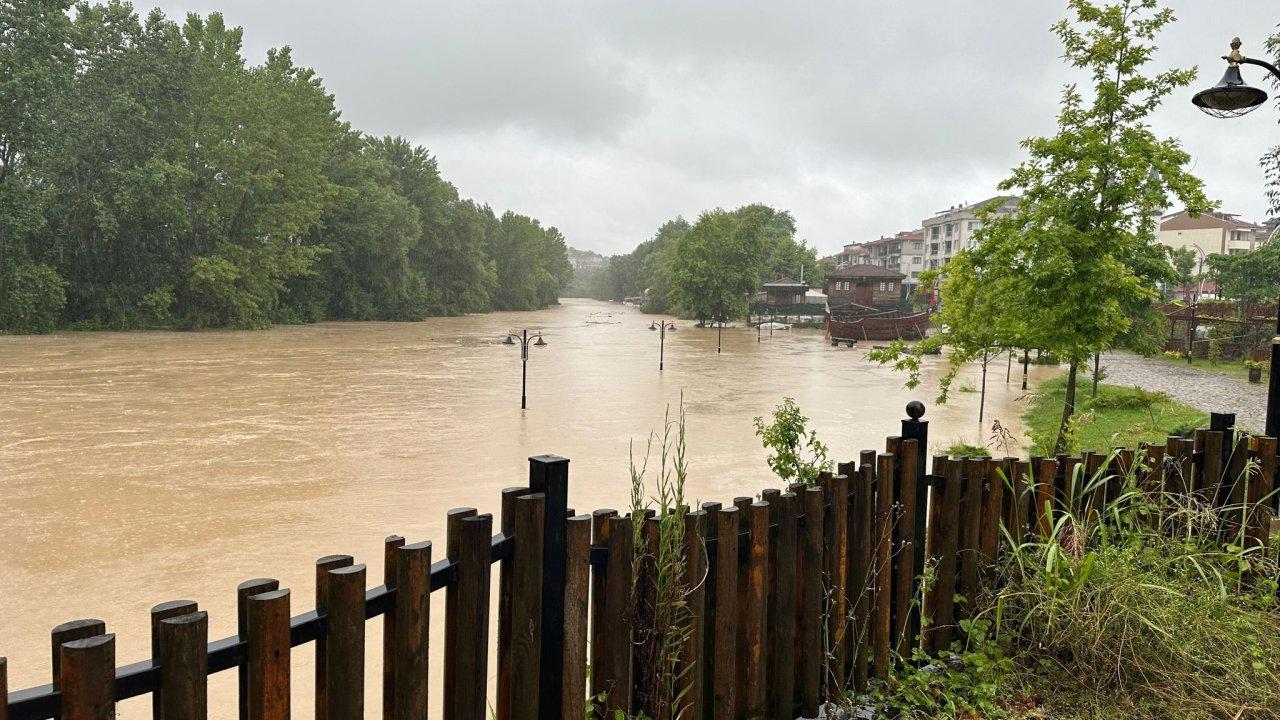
x: 1201, y: 389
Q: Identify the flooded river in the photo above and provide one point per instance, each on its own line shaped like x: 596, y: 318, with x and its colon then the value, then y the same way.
x: 142, y: 467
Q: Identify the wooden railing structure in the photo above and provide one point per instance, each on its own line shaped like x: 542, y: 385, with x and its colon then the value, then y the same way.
x: 794, y: 596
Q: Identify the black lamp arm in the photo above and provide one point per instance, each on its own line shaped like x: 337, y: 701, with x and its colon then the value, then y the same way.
x: 1260, y: 63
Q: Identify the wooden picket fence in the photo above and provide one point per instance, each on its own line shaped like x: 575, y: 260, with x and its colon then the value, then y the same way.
x: 793, y: 597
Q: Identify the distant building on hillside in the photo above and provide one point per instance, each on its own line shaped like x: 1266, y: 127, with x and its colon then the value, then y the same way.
x: 1212, y: 233
x: 585, y: 259
x: 952, y: 230
x: 869, y: 285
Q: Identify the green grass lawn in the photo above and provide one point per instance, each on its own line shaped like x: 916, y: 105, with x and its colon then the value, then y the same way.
x: 1119, y: 416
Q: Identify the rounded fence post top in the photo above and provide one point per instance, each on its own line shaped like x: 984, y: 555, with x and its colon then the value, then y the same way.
x: 915, y: 409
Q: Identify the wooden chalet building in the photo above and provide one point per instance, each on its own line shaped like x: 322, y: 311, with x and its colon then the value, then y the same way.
x: 867, y: 285
x: 785, y: 291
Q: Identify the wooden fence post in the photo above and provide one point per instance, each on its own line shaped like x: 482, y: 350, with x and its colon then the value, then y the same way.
x: 267, y: 621
x: 695, y: 570
x: 601, y: 623
x: 472, y: 627
x: 944, y: 526
x: 757, y: 596
x: 412, y: 631
x: 724, y: 698
x: 389, y: 547
x: 66, y: 632
x: 707, y: 655
x: 526, y: 605
x: 905, y: 567
x: 783, y: 628
x: 323, y: 566
x: 549, y: 474
x: 344, y: 655
x: 506, y: 568
x: 1260, y: 499
x: 182, y: 642
x: 159, y: 613
x: 882, y: 572
x: 577, y: 585
x: 244, y: 591
x: 87, y: 680
x: 616, y: 670
x: 811, y: 650
x: 453, y: 549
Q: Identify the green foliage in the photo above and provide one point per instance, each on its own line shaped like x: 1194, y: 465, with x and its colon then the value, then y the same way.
x: 1248, y: 277
x: 660, y: 612
x: 964, y: 449
x: 1117, y: 416
x: 31, y: 297
x: 709, y: 268
x: 1137, y: 608
x: 715, y: 265
x: 970, y: 680
x: 1074, y: 269
x: 796, y: 454
x: 143, y: 153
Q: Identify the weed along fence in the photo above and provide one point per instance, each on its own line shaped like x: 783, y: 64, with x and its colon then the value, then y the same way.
x: 782, y: 601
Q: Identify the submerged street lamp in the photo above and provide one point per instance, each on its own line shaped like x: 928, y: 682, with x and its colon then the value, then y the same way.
x: 1231, y: 98
x: 662, y: 327
x: 524, y: 340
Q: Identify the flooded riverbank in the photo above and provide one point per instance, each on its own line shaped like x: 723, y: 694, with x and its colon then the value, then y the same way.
x: 143, y: 467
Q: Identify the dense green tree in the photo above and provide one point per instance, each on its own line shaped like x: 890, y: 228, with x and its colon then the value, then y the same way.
x: 1075, y: 268
x: 715, y: 266
x: 38, y: 56
x: 1250, y: 277
x: 150, y: 176
x: 1077, y: 259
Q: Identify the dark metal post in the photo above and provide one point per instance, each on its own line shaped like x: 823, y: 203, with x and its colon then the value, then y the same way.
x: 524, y: 366
x: 1191, y: 330
x: 1273, y: 384
x: 549, y: 474
x: 1026, y: 360
x: 662, y: 343
x: 719, y: 330
x: 913, y: 428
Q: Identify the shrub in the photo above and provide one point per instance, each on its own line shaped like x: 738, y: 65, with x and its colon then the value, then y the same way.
x: 790, y: 441
x: 1116, y: 615
x: 960, y: 448
x: 32, y: 297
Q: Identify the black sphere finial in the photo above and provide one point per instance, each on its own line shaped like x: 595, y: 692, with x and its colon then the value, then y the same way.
x: 915, y: 409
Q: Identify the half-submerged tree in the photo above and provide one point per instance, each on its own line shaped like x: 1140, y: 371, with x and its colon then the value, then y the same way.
x: 1073, y: 270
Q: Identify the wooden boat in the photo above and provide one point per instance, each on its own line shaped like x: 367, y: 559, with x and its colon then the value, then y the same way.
x: 858, y: 322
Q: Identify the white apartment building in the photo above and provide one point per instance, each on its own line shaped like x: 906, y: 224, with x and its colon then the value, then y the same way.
x: 1212, y: 233
x: 952, y: 230
x: 903, y: 252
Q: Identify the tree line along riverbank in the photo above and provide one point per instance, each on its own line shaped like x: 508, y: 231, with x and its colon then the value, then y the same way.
x: 152, y: 177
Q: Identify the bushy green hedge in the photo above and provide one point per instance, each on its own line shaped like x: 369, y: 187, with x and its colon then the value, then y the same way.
x: 32, y: 297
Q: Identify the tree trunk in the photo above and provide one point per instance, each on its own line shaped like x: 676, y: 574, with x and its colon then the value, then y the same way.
x: 1068, y: 409
x: 982, y: 400
x: 1096, y: 358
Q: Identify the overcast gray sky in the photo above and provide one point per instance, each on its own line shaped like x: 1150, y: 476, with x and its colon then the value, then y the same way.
x: 607, y: 118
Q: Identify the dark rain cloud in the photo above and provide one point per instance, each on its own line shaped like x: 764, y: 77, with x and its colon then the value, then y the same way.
x: 607, y: 118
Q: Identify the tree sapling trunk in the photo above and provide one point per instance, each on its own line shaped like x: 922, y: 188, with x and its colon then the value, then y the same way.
x: 1068, y: 409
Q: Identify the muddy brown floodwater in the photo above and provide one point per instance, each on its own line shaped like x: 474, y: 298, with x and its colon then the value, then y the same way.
x: 142, y: 467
